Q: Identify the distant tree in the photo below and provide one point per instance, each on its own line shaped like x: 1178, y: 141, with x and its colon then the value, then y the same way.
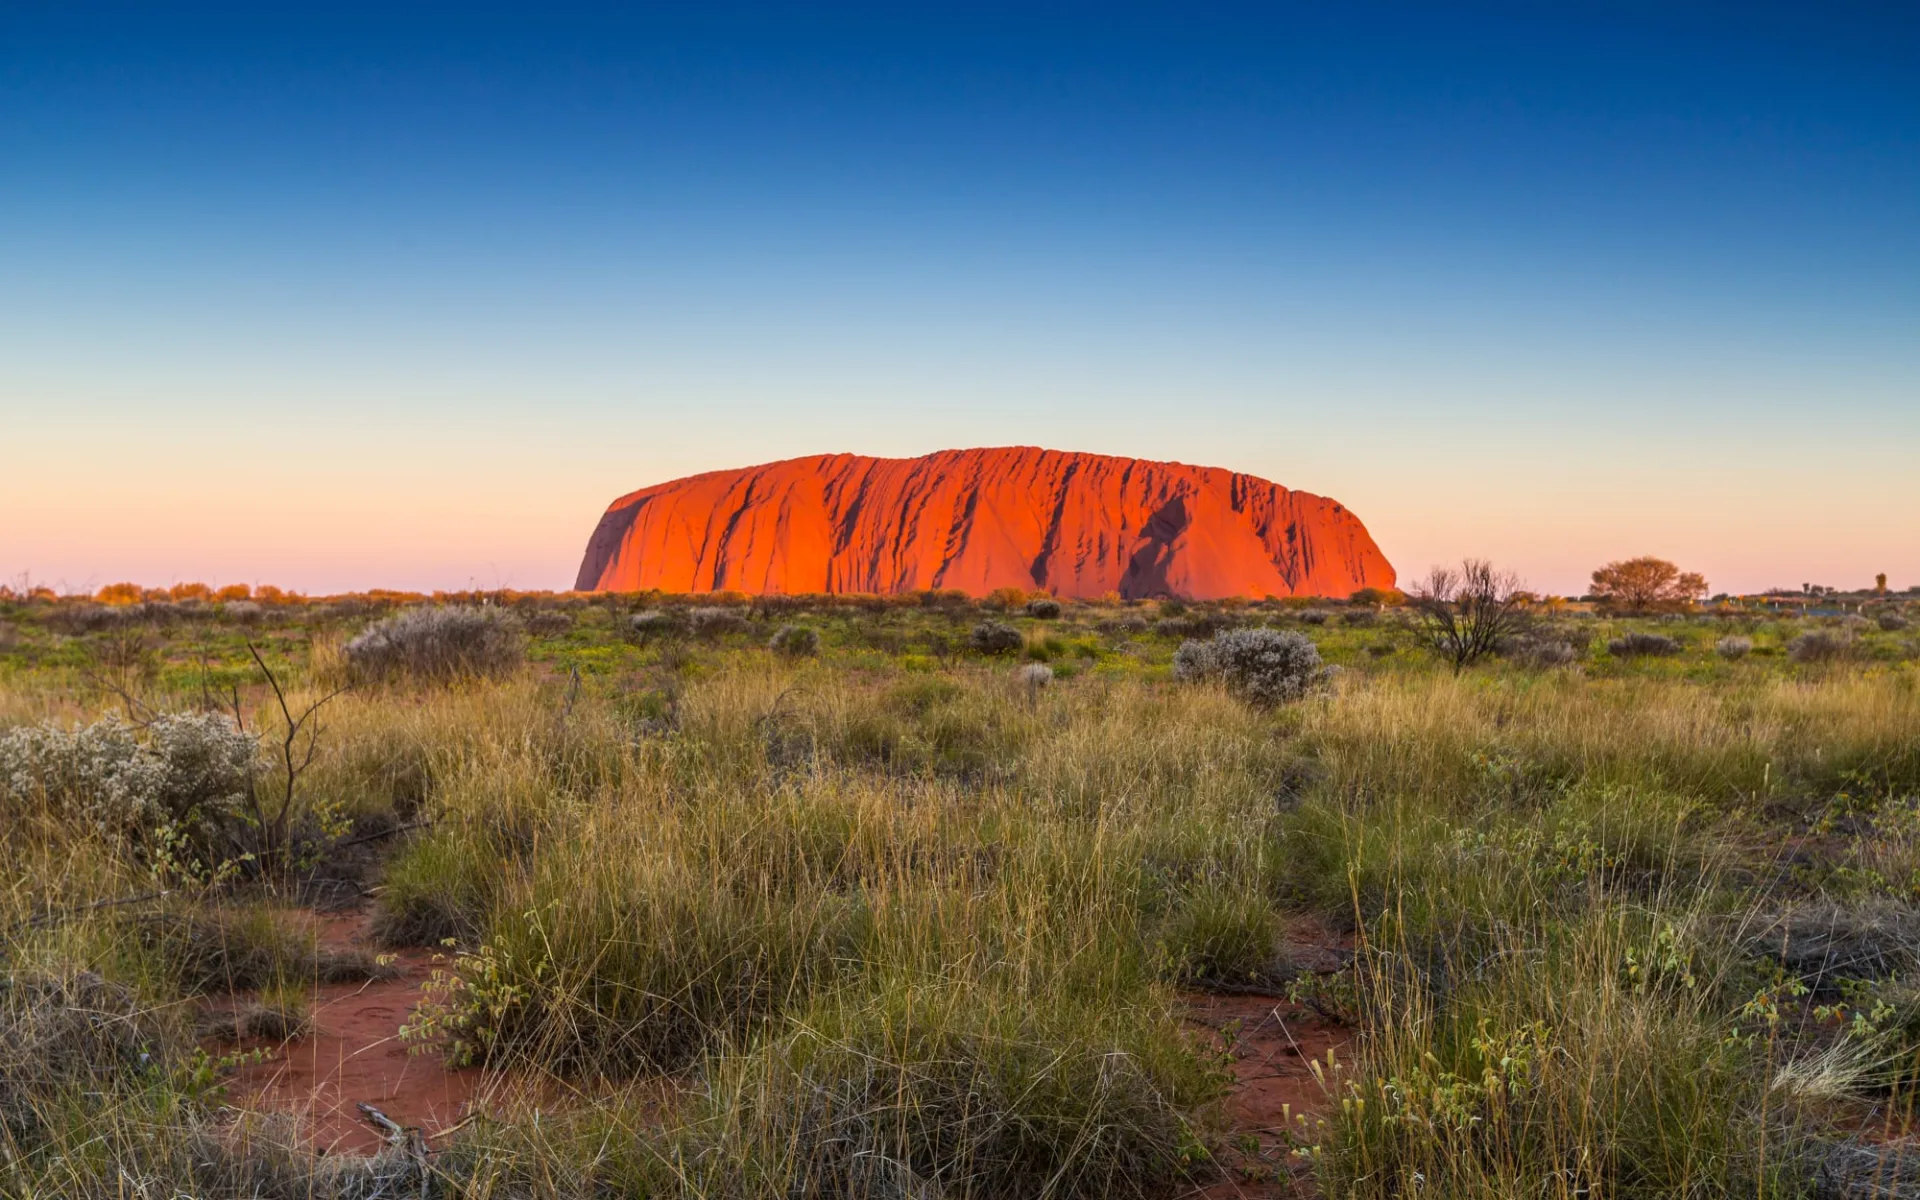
x: 120, y: 593
x: 1377, y: 597
x: 1646, y: 584
x: 234, y: 591
x: 1880, y: 583
x: 1468, y: 611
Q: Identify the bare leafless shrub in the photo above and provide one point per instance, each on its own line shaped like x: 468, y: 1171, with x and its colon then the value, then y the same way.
x: 1469, y: 611
x: 438, y: 645
x: 795, y: 641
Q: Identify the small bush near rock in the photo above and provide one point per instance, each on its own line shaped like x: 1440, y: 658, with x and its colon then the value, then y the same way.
x: 1818, y: 646
x: 1262, y: 666
x: 1734, y: 648
x: 1639, y: 645
x: 438, y: 645
x: 715, y: 623
x: 652, y: 623
x: 795, y: 641
x: 1314, y: 616
x: 1893, y: 622
x: 1045, y: 608
x: 994, y: 637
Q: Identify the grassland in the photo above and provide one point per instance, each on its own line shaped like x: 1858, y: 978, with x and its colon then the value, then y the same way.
x: 887, y: 917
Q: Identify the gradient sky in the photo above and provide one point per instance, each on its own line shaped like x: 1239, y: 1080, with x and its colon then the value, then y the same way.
x: 403, y: 295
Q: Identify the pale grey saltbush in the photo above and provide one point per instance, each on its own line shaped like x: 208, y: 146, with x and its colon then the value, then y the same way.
x: 652, y: 623
x: 716, y: 622
x: 1637, y: 644
x: 438, y: 645
x: 795, y: 641
x: 1820, y: 645
x: 1262, y: 666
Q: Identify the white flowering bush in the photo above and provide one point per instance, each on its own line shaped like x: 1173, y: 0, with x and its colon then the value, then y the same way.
x: 185, y: 781
x: 1261, y: 666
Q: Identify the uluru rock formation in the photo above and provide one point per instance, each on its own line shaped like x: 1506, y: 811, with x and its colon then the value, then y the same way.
x: 1077, y: 525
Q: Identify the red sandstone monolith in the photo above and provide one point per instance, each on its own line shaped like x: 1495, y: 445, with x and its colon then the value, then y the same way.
x: 1076, y: 525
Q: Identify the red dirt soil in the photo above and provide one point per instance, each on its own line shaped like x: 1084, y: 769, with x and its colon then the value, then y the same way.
x: 1078, y: 525
x: 354, y: 1055
x: 1273, y: 1045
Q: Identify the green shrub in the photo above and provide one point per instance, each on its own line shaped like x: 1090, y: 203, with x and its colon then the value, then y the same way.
x: 994, y: 637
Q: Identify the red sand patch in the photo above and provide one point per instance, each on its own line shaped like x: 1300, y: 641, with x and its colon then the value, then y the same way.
x: 1273, y: 1045
x: 354, y: 1055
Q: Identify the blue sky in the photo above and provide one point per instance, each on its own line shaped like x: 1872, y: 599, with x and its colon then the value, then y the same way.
x: 402, y: 296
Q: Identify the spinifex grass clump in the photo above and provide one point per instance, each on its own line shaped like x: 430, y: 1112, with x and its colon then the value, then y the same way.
x: 1605, y: 1054
x: 930, y: 1090
x: 67, y: 1037
x: 438, y: 645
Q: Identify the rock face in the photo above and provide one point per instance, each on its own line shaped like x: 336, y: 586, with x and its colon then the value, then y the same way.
x: 1078, y: 525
